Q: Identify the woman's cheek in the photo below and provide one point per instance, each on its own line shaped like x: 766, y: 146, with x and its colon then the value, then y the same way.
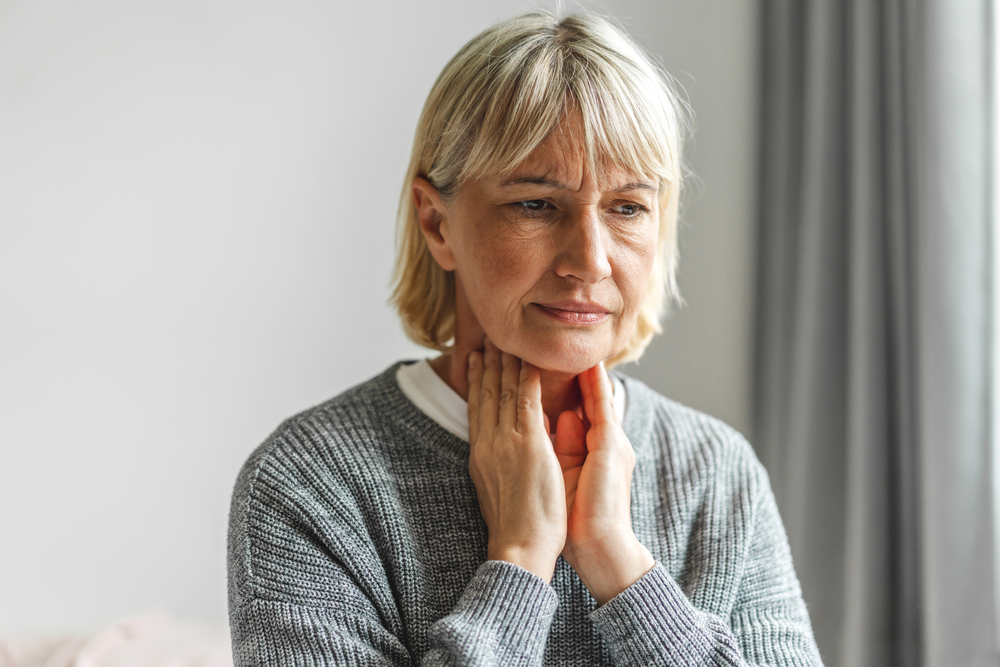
x: 635, y: 269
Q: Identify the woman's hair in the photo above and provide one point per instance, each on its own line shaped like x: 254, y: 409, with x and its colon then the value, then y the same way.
x: 497, y: 100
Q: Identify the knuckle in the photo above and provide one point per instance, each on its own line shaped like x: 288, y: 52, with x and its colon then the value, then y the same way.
x: 506, y: 396
x: 477, y: 461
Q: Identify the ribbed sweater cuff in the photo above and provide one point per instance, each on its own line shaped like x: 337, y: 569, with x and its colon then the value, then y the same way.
x: 505, y: 611
x: 652, y: 622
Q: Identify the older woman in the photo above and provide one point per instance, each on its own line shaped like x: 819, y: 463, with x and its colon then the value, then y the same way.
x: 510, y: 502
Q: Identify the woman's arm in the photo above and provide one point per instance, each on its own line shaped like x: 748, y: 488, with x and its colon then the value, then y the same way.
x: 597, y: 464
x: 501, y: 619
x: 330, y: 565
x: 651, y: 621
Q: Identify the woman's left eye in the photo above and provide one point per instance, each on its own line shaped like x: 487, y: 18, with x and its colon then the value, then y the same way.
x: 629, y: 210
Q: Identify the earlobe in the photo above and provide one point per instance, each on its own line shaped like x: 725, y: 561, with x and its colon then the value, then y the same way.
x: 432, y: 215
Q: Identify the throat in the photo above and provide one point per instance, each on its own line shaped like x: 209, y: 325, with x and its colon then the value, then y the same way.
x: 560, y: 393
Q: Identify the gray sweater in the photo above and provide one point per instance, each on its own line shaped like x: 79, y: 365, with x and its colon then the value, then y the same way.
x: 356, y: 539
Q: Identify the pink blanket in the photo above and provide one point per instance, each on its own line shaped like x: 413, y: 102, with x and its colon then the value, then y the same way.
x: 154, y: 639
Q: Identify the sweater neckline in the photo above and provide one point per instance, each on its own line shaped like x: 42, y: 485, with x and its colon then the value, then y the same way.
x: 636, y: 421
x: 437, y: 400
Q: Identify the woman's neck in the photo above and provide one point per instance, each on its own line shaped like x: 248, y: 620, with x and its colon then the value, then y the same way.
x: 560, y: 392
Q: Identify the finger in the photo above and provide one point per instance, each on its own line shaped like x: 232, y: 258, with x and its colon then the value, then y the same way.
x: 474, y: 370
x: 570, y: 444
x: 489, y: 392
x: 607, y: 394
x: 601, y: 407
x: 510, y: 379
x: 586, y: 392
x: 529, y: 398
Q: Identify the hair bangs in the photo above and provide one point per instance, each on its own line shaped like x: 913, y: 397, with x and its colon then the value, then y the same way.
x: 529, y: 99
x: 622, y: 129
x: 625, y: 108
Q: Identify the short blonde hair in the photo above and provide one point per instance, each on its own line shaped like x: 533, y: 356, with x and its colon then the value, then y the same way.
x: 497, y: 100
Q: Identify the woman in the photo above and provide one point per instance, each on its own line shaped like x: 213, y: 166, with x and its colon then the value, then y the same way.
x: 510, y: 502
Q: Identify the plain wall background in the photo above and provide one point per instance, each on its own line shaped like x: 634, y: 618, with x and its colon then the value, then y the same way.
x: 197, y: 211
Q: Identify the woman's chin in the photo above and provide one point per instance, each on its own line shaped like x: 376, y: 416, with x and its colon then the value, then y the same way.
x: 569, y: 352
x: 568, y: 361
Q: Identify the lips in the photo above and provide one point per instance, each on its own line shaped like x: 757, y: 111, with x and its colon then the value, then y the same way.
x: 574, y: 312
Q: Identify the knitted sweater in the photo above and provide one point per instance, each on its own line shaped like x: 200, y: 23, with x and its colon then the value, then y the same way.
x: 356, y: 539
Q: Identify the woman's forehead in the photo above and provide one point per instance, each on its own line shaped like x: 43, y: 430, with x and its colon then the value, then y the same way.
x: 561, y: 160
x: 565, y: 166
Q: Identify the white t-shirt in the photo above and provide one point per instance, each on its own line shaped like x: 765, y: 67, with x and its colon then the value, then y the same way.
x: 439, y: 402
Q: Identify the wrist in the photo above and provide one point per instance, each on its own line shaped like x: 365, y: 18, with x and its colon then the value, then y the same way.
x: 532, y: 560
x: 606, y: 572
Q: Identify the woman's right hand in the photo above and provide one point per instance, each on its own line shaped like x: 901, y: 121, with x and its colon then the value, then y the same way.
x: 518, y: 479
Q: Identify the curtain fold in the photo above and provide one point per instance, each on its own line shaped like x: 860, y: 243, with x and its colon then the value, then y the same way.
x: 874, y: 341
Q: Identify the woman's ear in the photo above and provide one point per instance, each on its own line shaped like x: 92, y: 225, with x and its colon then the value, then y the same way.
x: 433, y: 222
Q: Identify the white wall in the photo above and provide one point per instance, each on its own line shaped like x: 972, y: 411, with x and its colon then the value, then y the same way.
x: 196, y: 227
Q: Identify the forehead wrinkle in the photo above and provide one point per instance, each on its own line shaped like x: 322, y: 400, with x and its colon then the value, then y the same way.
x: 550, y: 167
x: 534, y: 180
x: 550, y: 183
x: 628, y: 187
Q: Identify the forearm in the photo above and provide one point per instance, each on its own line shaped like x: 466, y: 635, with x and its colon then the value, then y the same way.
x: 654, y: 623
x: 502, y: 618
x: 758, y: 615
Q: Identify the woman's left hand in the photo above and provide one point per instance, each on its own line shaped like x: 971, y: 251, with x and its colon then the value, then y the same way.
x: 597, y: 464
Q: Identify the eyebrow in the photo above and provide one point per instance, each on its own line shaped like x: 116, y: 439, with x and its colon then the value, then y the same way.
x: 534, y: 180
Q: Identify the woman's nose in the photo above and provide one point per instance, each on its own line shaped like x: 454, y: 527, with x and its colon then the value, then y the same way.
x: 583, y: 252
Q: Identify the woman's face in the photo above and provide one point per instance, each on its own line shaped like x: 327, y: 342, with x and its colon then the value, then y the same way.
x: 553, y: 264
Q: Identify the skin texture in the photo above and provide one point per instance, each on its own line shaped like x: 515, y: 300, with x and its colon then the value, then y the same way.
x: 551, y: 268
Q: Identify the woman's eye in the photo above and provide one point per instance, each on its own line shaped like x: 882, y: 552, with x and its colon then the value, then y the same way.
x: 629, y: 210
x: 533, y: 204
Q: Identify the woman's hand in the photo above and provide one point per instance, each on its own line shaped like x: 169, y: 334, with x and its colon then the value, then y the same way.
x: 518, y: 479
x: 597, y: 464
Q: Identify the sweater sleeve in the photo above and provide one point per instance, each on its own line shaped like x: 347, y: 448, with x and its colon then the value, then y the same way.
x: 502, y: 618
x: 654, y: 623
x: 307, y: 587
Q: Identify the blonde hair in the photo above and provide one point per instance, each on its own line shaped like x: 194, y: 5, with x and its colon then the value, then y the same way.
x: 497, y: 100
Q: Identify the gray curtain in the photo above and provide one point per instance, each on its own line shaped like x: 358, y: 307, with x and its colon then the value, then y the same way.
x: 874, y: 352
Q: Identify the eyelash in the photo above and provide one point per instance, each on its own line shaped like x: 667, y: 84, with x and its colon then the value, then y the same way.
x: 522, y: 205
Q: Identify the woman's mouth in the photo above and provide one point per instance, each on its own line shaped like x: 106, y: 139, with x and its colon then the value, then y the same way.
x: 574, y: 313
